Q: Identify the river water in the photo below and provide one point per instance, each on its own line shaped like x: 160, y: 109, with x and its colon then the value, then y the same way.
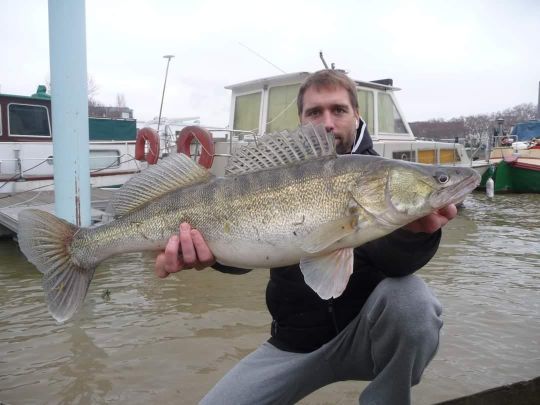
x: 169, y: 341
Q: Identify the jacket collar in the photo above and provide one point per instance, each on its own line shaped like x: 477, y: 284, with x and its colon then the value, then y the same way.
x: 363, y: 140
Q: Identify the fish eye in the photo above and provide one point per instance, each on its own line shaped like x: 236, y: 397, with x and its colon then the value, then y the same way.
x: 442, y: 178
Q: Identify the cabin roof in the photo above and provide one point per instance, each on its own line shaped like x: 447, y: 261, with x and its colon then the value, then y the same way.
x: 40, y: 94
x: 297, y: 77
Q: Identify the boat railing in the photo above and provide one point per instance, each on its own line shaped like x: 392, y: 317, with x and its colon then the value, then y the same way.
x: 501, y: 146
x: 220, y: 135
x: 27, y: 164
x: 504, y: 140
x: 17, y: 163
x: 476, y: 146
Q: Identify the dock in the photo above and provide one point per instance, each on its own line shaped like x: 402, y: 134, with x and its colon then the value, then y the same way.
x: 522, y: 393
x: 11, y: 204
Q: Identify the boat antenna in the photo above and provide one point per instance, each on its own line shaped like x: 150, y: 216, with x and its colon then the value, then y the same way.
x: 168, y: 57
x: 262, y: 57
x: 323, y: 61
x: 332, y: 65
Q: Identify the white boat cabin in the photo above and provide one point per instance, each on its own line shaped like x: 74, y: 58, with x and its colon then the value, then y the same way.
x: 269, y: 104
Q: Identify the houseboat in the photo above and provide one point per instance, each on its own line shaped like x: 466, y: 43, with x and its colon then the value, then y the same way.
x: 26, y: 146
x: 269, y: 104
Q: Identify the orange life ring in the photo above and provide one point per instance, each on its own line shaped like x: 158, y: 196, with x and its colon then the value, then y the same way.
x: 183, y: 144
x: 147, y: 135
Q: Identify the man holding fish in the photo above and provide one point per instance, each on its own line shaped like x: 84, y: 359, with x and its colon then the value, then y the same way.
x: 383, y: 328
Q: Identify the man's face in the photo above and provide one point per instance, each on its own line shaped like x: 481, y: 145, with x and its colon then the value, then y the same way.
x: 332, y: 108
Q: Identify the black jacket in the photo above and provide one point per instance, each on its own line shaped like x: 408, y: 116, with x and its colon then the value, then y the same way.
x: 302, y: 322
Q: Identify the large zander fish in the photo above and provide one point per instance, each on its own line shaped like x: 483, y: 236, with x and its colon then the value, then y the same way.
x: 288, y: 199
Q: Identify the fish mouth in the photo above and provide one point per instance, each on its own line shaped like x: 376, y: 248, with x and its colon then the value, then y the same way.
x: 455, y: 193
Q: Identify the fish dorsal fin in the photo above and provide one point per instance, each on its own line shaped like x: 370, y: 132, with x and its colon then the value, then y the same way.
x: 282, y: 149
x: 172, y: 172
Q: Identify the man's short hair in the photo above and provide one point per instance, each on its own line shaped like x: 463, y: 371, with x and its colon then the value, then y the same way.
x: 327, y: 78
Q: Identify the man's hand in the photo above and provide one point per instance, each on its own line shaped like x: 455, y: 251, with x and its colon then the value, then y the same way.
x: 184, y: 251
x: 433, y: 222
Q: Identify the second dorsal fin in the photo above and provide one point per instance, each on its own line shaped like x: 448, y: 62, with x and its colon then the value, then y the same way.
x: 171, y: 173
x: 281, y: 149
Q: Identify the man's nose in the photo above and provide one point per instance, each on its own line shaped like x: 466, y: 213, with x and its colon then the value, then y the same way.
x: 328, y: 121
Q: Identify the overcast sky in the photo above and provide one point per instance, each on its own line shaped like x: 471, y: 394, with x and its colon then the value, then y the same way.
x: 450, y: 58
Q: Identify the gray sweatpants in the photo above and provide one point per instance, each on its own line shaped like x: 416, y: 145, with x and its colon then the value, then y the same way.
x: 389, y: 343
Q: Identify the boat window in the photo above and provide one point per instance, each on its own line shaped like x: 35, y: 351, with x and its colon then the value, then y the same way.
x: 104, y: 159
x: 282, y: 110
x: 28, y: 120
x: 407, y: 155
x: 389, y: 119
x: 449, y: 156
x: 427, y: 156
x: 365, y: 107
x: 247, y: 109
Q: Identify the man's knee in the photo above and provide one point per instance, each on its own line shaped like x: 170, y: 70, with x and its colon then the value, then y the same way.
x: 405, y: 322
x: 408, y: 305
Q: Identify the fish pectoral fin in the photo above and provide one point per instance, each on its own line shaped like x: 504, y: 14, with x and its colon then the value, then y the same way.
x: 329, y: 233
x: 328, y: 274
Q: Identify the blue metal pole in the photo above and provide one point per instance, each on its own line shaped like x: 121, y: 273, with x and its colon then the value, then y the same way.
x: 69, y: 98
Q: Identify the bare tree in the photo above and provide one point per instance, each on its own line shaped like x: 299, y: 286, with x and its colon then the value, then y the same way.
x: 438, y: 129
x: 478, y: 124
x: 518, y: 113
x: 93, y: 87
x: 473, y: 125
x: 92, y: 91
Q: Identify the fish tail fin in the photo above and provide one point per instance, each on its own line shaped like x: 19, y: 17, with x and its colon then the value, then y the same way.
x: 46, y: 240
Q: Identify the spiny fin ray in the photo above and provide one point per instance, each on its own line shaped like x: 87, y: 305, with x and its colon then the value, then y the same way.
x: 282, y: 149
x: 172, y: 172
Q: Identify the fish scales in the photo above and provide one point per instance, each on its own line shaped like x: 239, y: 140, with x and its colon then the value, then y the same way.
x: 272, y: 207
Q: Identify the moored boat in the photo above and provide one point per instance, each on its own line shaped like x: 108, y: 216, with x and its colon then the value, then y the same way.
x: 516, y: 166
x: 269, y: 104
x: 26, y: 146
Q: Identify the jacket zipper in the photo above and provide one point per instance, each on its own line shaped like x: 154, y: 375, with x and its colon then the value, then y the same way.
x: 333, y: 314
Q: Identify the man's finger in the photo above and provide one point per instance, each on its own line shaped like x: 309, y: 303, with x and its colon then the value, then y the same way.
x: 433, y: 222
x: 170, y: 262
x: 159, y: 267
x: 449, y: 212
x: 204, y: 255
x: 189, y: 255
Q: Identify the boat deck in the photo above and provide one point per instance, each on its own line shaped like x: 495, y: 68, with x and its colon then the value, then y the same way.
x: 11, y: 204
